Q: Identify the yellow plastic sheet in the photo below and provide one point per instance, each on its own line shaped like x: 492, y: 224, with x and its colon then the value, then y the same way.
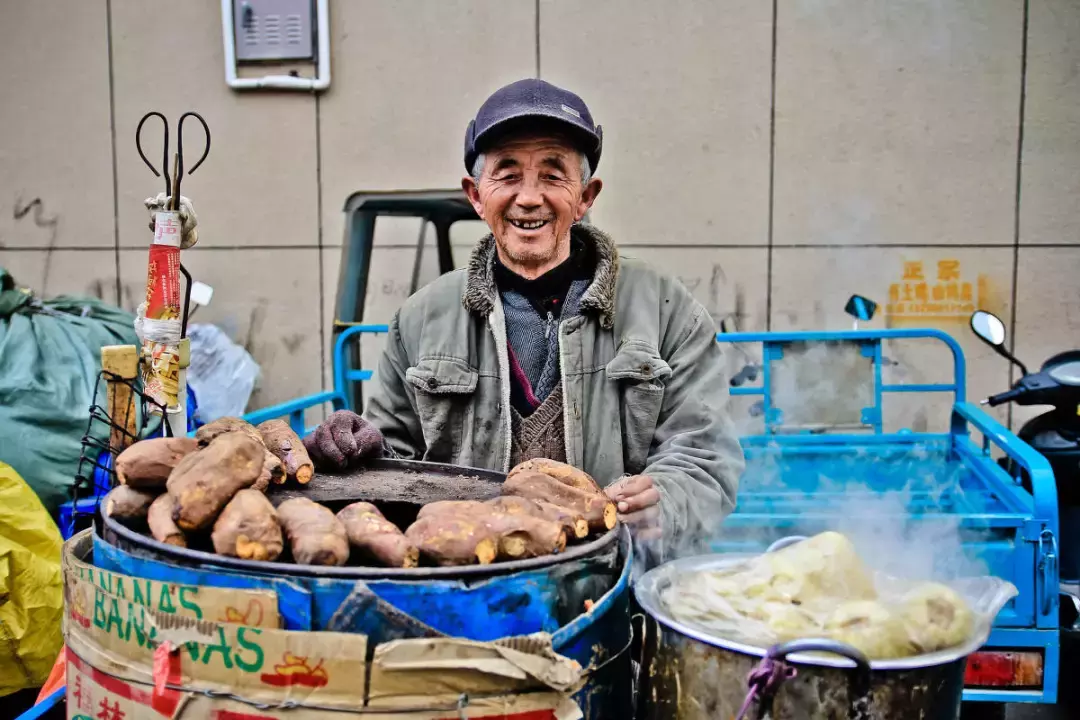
x: 31, y: 588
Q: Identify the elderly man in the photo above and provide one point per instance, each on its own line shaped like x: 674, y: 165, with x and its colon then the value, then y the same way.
x: 549, y: 344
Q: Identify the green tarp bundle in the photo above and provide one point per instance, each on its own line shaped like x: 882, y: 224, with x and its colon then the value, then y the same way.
x: 50, y: 357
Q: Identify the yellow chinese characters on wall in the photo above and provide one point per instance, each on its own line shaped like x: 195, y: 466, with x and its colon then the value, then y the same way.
x: 934, y: 293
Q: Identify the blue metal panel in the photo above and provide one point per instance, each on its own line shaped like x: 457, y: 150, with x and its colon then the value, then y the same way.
x: 603, y: 649
x: 517, y: 604
x: 512, y: 605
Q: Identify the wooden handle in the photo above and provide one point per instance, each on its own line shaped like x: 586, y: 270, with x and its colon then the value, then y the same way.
x: 122, y: 361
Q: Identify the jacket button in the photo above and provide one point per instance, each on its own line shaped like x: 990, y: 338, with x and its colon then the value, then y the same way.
x: 432, y: 383
x: 646, y: 370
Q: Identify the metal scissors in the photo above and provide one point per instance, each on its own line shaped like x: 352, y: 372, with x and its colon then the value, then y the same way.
x: 178, y: 158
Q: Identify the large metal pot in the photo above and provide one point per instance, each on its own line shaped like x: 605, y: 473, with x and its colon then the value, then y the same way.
x: 687, y: 674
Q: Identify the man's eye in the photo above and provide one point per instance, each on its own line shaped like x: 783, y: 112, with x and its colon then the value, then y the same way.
x: 553, y: 178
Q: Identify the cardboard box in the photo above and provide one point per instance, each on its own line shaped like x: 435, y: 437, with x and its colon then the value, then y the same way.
x: 257, y: 608
x: 160, y: 657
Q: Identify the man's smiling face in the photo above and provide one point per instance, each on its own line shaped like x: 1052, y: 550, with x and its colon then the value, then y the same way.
x: 530, y: 193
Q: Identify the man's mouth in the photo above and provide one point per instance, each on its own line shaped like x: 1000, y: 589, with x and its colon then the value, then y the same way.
x: 528, y: 224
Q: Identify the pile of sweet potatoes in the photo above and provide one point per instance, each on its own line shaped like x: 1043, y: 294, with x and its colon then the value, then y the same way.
x: 544, y: 504
x: 214, y: 484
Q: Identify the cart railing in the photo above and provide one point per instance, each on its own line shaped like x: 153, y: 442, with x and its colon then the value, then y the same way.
x: 1041, y: 504
x: 345, y: 375
x: 869, y: 342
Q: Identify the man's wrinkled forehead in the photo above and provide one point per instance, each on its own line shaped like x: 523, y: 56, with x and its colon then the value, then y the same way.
x: 550, y: 148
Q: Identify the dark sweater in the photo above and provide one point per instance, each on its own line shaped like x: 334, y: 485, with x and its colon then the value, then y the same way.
x: 533, y: 310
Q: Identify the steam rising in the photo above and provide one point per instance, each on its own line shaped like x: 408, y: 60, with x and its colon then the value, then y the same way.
x: 901, y: 508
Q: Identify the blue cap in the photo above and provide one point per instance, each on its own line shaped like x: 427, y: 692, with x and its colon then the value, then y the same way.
x: 534, y: 101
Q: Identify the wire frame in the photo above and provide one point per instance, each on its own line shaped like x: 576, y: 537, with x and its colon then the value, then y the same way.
x: 104, y: 434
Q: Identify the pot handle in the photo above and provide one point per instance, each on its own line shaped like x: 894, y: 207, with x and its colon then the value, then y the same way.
x: 859, y: 681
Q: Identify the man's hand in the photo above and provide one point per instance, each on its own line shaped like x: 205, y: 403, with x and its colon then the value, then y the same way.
x: 342, y: 439
x: 638, y: 503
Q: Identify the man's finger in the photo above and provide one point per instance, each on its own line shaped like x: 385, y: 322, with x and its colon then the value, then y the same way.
x: 640, y: 501
x: 629, y: 486
x: 332, y: 455
x: 345, y: 442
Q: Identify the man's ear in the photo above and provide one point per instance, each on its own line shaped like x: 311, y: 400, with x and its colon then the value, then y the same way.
x: 473, y: 193
x: 588, y: 196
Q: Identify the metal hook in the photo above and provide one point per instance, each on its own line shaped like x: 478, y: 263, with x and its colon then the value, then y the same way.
x: 180, y: 139
x: 180, y: 152
x: 164, y: 150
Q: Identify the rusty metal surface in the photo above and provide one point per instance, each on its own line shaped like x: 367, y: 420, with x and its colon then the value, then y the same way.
x: 684, y: 679
x: 395, y: 481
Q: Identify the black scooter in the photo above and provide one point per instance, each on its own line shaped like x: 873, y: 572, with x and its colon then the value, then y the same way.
x: 1055, y: 434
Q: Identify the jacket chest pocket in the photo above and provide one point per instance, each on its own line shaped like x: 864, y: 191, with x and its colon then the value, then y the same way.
x: 443, y: 390
x: 640, y: 373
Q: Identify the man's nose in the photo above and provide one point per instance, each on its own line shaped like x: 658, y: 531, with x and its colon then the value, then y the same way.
x: 529, y: 195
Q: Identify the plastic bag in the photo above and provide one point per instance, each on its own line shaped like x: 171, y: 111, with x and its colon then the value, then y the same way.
x: 221, y: 373
x: 31, y: 591
x: 50, y: 356
x: 819, y: 588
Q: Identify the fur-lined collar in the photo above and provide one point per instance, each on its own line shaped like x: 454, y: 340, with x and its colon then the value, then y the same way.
x: 480, y: 291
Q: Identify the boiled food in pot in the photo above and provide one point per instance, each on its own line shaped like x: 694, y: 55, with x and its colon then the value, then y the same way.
x: 819, y: 587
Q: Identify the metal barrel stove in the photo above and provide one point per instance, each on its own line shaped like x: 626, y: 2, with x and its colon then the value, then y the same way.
x: 581, y: 596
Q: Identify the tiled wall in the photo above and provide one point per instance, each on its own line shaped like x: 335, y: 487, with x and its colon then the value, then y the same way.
x: 777, y: 156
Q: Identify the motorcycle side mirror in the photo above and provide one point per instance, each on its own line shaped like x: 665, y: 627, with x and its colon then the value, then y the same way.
x: 860, y: 308
x: 988, y: 327
x: 991, y: 330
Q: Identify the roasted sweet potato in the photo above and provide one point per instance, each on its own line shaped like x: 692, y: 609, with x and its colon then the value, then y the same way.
x: 204, y: 481
x: 127, y: 505
x: 455, y: 508
x: 597, y: 509
x: 573, y: 523
x: 564, y: 473
x: 273, y: 470
x: 248, y: 528
x: 206, y: 434
x: 376, y: 537
x: 516, y: 524
x: 453, y: 540
x: 280, y: 440
x: 316, y: 536
x: 524, y: 536
x: 146, y: 464
x: 160, y: 520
